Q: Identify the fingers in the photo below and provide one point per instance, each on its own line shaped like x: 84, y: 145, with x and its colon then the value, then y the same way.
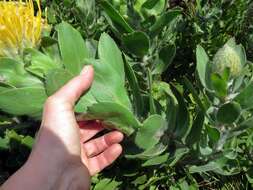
x: 98, y: 163
x: 96, y: 146
x: 89, y: 129
x: 101, y: 152
x: 71, y: 91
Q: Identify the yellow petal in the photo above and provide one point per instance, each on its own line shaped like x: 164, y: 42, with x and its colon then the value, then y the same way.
x: 19, y: 26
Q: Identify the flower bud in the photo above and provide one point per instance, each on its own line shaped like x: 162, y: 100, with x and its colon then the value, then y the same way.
x: 227, y: 57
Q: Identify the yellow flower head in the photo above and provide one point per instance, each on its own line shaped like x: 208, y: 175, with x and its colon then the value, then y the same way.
x: 19, y: 26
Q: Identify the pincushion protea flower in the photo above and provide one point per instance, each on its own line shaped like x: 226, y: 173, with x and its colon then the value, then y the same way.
x: 19, y: 26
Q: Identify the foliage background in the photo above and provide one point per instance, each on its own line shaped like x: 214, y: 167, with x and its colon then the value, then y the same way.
x: 208, y: 23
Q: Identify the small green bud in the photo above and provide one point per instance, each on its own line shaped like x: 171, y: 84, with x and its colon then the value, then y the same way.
x: 227, y: 57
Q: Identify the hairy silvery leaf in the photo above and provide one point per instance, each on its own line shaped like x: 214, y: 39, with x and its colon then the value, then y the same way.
x: 114, y: 116
x: 39, y: 63
x: 151, y: 132
x: 23, y: 100
x: 203, y: 67
x: 72, y: 47
x: 13, y: 73
x: 109, y: 81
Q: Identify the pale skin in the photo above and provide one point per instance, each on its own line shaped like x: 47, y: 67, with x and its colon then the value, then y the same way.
x: 65, y: 154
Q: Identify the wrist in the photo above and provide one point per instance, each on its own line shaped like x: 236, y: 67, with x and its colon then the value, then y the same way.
x: 34, y: 175
x: 71, y: 174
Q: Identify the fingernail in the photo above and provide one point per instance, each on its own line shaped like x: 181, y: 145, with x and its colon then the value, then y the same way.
x: 86, y: 70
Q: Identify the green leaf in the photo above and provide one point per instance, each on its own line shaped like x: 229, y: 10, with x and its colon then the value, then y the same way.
x: 110, y: 57
x: 166, y: 56
x: 149, y: 4
x: 111, y: 70
x: 72, y: 47
x: 153, y: 7
x: 117, y: 20
x: 156, y: 160
x: 152, y: 106
x: 213, y: 133
x: 28, y: 142
x: 195, y: 94
x: 85, y: 101
x: 47, y: 41
x: 228, y: 113
x: 23, y: 101
x: 204, y: 143
x: 242, y: 54
x: 136, y: 43
x: 164, y: 20
x: 211, y: 166
x: 245, y: 98
x: 13, y: 73
x: 219, y: 85
x: 86, y: 11
x: 243, y: 126
x: 109, y: 82
x: 107, y: 184
x: 4, y: 143
x: 14, y: 139
x: 182, y: 121
x: 179, y: 153
x: 183, y: 184
x: 138, y: 101
x: 147, y: 154
x: 140, y: 180
x: 219, y: 166
x: 114, y: 116
x: 55, y: 79
x: 171, y: 114
x: 249, y: 175
x: 40, y: 64
x: 53, y: 52
x: 202, y: 64
x: 92, y: 46
x: 151, y: 132
x: 196, y: 129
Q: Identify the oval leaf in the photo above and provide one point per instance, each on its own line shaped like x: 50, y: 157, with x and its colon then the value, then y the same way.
x: 137, y: 43
x: 56, y: 79
x: 12, y: 73
x: 117, y: 20
x: 228, y: 113
x: 150, y: 133
x: 245, y: 97
x: 72, y: 47
x: 166, y: 56
x: 114, y: 116
x: 182, y: 120
x: 202, y: 64
x: 23, y: 101
x: 196, y: 129
x: 164, y: 20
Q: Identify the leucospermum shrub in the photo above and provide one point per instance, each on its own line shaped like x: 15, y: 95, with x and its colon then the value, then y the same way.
x: 179, y: 133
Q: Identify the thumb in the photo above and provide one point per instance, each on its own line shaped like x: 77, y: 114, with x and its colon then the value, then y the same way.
x: 72, y: 91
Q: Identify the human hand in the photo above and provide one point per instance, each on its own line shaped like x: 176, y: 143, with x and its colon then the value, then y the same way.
x: 64, y: 156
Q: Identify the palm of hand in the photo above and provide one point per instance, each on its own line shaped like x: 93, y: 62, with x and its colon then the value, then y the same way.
x: 62, y: 133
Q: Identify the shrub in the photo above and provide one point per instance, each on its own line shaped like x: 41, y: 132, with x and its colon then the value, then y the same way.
x: 161, y: 76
